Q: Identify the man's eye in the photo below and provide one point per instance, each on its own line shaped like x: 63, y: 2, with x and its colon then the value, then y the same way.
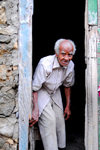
x: 70, y: 55
x: 63, y: 54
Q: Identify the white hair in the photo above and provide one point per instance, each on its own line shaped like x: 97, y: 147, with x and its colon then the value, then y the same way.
x: 57, y: 44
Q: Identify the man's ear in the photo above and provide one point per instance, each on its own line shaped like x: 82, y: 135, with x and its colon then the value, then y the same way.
x: 56, y: 54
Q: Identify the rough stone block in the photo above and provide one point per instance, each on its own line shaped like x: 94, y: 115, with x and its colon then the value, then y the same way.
x: 7, y: 108
x: 6, y: 147
x: 5, y: 38
x: 15, y: 134
x: 3, y: 18
x: 2, y: 141
x: 3, y: 71
x: 7, y: 126
x: 5, y: 89
x: 7, y: 101
x: 8, y: 30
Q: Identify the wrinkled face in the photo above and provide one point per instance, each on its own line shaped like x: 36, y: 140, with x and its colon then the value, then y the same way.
x: 65, y: 53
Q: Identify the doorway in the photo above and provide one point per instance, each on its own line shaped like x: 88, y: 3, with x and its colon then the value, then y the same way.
x: 63, y: 19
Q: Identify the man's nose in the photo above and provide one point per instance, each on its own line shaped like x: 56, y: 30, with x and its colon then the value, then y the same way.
x: 66, y: 58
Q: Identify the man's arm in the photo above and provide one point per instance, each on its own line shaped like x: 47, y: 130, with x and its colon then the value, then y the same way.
x: 35, y: 112
x: 67, y: 108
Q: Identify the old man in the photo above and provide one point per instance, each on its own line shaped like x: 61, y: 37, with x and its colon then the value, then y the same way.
x: 52, y: 72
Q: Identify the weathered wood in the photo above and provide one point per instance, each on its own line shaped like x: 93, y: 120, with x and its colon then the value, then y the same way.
x: 99, y: 105
x: 95, y: 103
x: 92, y: 37
x: 25, y: 70
x: 98, y: 66
x: 88, y: 113
x: 86, y: 29
x: 91, y: 108
x: 32, y: 138
x: 92, y: 12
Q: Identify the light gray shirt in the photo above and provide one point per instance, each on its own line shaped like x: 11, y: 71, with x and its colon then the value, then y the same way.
x: 47, y: 79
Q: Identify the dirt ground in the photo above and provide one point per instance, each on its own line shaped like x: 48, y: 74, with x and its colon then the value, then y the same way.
x: 75, y: 142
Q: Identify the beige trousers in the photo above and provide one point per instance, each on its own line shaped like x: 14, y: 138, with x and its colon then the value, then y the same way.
x: 52, y: 127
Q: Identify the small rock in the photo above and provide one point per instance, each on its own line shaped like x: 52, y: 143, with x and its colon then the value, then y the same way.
x: 10, y: 141
x: 15, y: 45
x: 2, y: 15
x: 3, y: 71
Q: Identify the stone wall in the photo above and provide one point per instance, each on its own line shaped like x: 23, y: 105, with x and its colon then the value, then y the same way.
x: 8, y: 74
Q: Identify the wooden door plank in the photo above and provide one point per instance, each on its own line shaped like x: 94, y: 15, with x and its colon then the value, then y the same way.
x: 98, y: 80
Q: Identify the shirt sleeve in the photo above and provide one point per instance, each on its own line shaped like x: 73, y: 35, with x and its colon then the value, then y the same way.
x: 39, y: 77
x: 70, y: 79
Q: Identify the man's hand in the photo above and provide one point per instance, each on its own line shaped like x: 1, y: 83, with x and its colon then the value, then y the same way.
x: 35, y: 117
x: 35, y: 112
x: 67, y: 112
x: 67, y: 108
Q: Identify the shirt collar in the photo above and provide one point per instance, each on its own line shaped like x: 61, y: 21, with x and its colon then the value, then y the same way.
x: 56, y: 63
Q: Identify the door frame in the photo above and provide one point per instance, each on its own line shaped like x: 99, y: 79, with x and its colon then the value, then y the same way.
x: 25, y: 76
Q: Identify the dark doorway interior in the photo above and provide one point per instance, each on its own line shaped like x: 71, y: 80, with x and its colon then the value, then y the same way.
x: 54, y: 19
